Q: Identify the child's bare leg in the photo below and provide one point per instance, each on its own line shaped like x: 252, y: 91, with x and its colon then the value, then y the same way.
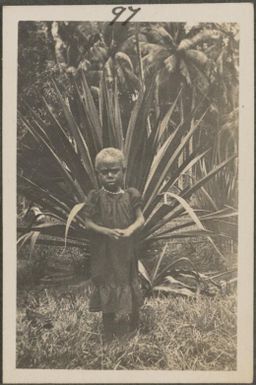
x: 122, y: 325
x: 134, y: 318
x: 108, y: 326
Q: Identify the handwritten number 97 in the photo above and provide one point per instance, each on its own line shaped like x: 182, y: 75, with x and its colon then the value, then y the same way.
x: 118, y: 11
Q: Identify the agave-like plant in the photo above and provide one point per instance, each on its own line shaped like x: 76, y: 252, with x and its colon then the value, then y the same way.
x: 169, y: 278
x: 178, y: 276
x: 220, y: 193
x: 152, y: 166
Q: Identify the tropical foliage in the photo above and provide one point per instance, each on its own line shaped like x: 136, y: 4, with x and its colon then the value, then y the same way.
x: 160, y: 148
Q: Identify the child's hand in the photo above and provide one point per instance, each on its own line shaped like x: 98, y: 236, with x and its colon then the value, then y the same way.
x: 113, y: 233
x: 126, y: 233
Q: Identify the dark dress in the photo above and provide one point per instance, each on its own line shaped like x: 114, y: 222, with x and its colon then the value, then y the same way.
x: 114, y: 267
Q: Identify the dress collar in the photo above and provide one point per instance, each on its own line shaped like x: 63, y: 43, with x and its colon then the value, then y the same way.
x: 121, y: 191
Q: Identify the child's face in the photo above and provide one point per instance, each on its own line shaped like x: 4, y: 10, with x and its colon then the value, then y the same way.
x: 111, y: 173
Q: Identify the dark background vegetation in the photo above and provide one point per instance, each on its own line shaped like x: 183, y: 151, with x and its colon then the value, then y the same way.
x: 195, y: 68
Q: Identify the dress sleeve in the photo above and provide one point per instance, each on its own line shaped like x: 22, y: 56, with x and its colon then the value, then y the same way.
x: 91, y: 206
x: 135, y: 198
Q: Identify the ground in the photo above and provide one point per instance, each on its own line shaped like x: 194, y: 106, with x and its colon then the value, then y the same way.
x: 175, y: 333
x: 56, y: 330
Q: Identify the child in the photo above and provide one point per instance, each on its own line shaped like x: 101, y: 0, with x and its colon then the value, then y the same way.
x: 113, y: 216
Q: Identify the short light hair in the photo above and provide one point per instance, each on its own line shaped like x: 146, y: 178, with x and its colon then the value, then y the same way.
x: 109, y: 152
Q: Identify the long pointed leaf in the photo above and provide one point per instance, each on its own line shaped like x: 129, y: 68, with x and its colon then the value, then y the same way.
x: 23, y: 239
x: 159, y: 261
x: 173, y: 265
x: 34, y: 238
x: 117, y: 118
x: 91, y: 110
x: 186, y: 165
x: 185, y: 206
x: 45, y: 195
x: 59, y: 162
x: 66, y: 149
x: 61, y: 242
x: 186, y: 195
x: 167, y: 289
x: 113, y: 136
x: 183, y: 234
x: 144, y: 273
x: 205, y: 179
x: 137, y: 132
x: 164, y: 122
x: 162, y: 168
x: 80, y: 141
x: 75, y: 210
x: 76, y: 231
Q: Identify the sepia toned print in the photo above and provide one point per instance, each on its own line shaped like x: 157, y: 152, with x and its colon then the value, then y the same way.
x: 128, y: 149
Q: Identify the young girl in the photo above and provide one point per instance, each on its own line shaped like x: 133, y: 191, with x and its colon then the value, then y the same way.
x: 113, y: 216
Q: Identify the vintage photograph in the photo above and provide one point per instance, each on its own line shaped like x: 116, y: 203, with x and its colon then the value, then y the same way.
x: 127, y: 142
x: 127, y: 194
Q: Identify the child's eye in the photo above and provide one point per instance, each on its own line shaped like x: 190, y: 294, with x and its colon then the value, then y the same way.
x: 112, y: 171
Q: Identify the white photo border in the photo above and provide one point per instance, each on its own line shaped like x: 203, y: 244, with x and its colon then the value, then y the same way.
x: 241, y: 13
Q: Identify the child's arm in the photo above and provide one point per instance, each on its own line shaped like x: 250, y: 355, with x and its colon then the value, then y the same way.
x: 136, y: 225
x: 112, y: 233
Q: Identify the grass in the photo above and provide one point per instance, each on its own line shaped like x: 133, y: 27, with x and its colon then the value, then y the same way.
x: 175, y: 334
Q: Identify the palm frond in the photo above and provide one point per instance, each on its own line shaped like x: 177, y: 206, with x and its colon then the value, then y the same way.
x: 201, y: 37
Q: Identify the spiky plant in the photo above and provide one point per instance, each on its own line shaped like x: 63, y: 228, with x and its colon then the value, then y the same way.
x: 62, y: 180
